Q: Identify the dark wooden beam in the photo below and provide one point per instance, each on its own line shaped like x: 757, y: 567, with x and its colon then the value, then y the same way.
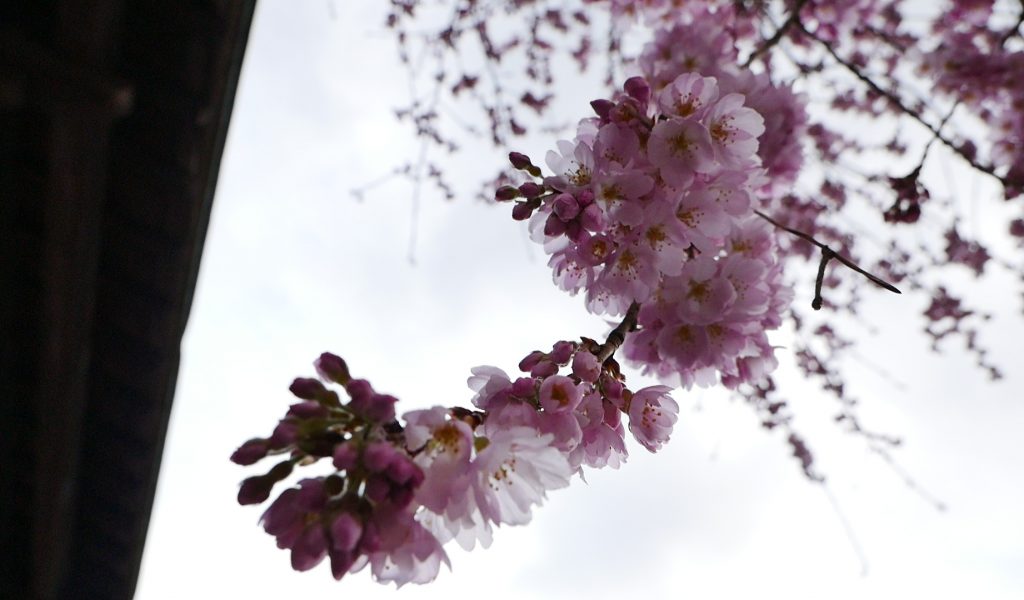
x: 114, y: 115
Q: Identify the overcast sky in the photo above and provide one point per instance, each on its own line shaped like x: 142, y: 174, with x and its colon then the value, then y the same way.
x: 294, y: 266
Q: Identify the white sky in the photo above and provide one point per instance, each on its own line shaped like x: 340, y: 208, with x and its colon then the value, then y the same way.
x: 294, y: 266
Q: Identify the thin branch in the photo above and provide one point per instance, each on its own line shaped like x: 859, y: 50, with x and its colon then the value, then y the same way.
x: 909, y: 481
x: 848, y: 528
x: 938, y: 130
x: 794, y: 19
x: 827, y: 254
x: 898, y: 103
x: 618, y: 335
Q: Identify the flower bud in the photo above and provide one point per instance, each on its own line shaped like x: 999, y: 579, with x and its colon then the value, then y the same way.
x: 519, y: 160
x: 307, y: 388
x: 345, y: 456
x: 603, y: 108
x: 566, y: 207
x: 250, y: 452
x: 523, y: 387
x: 585, y: 197
x: 341, y: 562
x: 592, y: 218
x: 345, y: 532
x: 255, y: 490
x: 506, y: 193
x: 575, y: 232
x: 307, y: 410
x: 586, y: 366
x: 544, y: 368
x: 402, y: 470
x: 562, y: 351
x: 522, y: 211
x: 377, y: 488
x: 554, y: 226
x: 381, y: 408
x: 285, y: 434
x: 531, y: 189
x: 531, y: 360
x: 638, y: 89
x: 332, y: 368
x: 378, y: 456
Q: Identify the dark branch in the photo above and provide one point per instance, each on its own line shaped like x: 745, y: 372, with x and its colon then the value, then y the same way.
x: 898, y: 103
x: 827, y: 254
x: 618, y: 335
x: 794, y: 18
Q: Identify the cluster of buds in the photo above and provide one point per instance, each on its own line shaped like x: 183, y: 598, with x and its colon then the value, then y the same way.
x: 402, y: 488
x: 363, y: 512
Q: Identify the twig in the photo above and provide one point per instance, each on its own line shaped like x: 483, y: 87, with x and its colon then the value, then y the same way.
x: 618, y: 335
x: 850, y: 535
x: 898, y: 103
x: 938, y: 130
x: 794, y: 18
x: 827, y: 254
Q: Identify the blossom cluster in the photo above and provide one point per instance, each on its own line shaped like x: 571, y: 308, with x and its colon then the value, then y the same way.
x: 977, y: 69
x: 701, y: 40
x: 652, y: 205
x: 401, y: 489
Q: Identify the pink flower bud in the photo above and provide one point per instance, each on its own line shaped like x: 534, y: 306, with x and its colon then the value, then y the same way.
x: 519, y: 160
x: 345, y: 456
x: 585, y: 197
x: 531, y: 360
x: 603, y: 108
x: 310, y: 549
x: 586, y: 366
x: 554, y: 226
x: 341, y: 562
x: 381, y: 408
x: 377, y: 488
x: 250, y: 452
x: 562, y: 351
x: 307, y: 410
x: 255, y: 490
x: 531, y: 189
x: 378, y: 456
x: 544, y: 368
x: 345, y: 532
x: 613, y: 392
x: 575, y: 232
x: 359, y: 390
x: 566, y: 207
x: 506, y: 193
x: 612, y: 415
x: 403, y: 471
x: 638, y: 89
x: 284, y: 434
x: 592, y: 218
x: 332, y: 368
x: 523, y: 387
x: 307, y: 388
x: 522, y: 211
x: 401, y: 496
x: 371, y: 541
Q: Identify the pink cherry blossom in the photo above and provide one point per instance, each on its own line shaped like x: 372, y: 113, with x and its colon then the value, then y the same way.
x: 559, y: 393
x: 513, y: 473
x: 652, y: 414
